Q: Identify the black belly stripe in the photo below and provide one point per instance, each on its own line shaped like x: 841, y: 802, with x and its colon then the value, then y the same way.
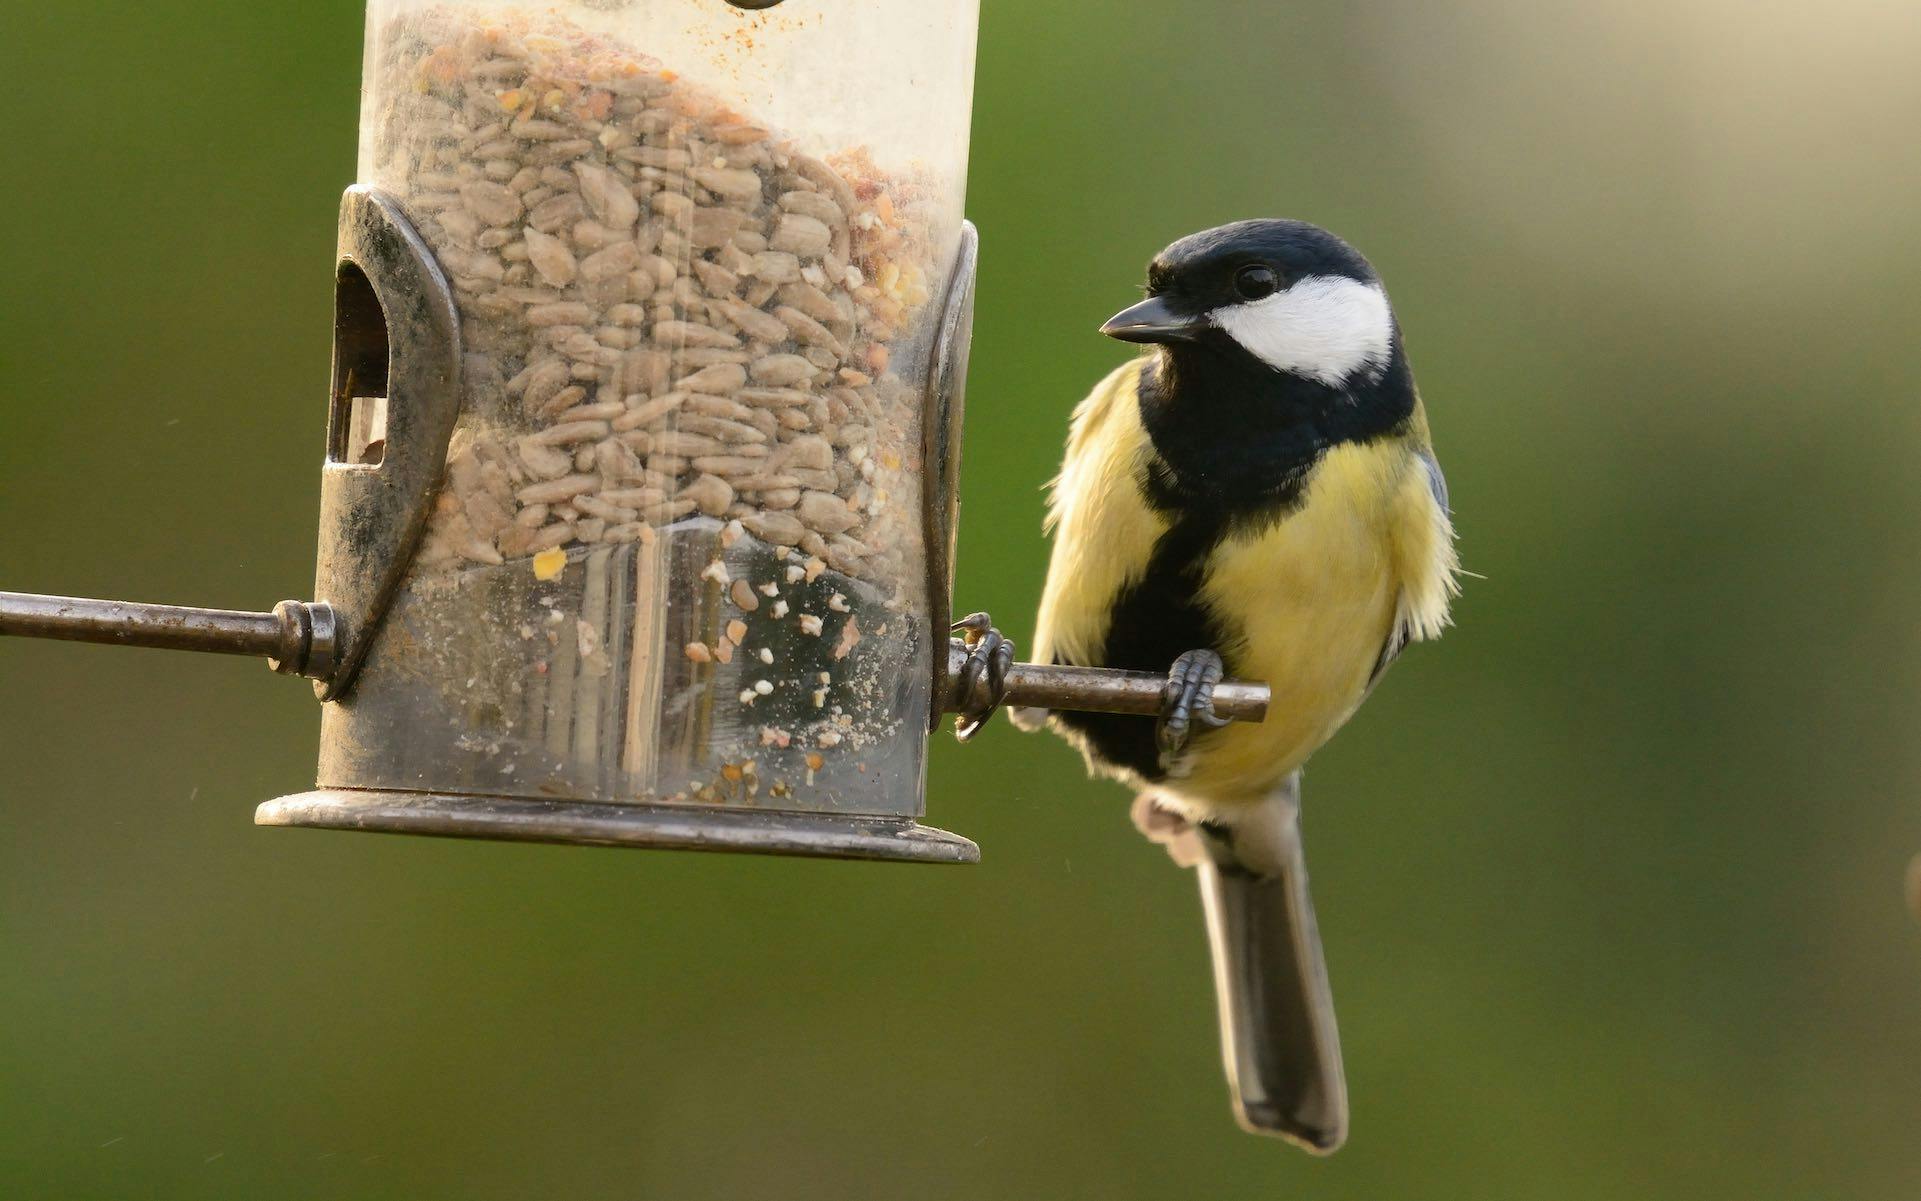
x: 1153, y: 623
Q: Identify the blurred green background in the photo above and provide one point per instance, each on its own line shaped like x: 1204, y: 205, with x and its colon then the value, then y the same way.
x: 1610, y: 878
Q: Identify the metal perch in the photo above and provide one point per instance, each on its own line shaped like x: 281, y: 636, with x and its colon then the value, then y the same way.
x: 298, y: 638
x: 1102, y: 690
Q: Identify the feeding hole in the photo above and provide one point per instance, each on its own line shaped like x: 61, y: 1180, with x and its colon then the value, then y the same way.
x: 366, y: 430
x: 357, y: 417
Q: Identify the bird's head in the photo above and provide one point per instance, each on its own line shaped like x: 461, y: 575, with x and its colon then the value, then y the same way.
x: 1294, y: 297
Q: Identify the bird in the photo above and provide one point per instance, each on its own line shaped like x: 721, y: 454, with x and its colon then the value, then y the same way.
x: 1255, y: 496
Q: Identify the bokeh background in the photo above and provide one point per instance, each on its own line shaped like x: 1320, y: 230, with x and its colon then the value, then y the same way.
x: 1610, y: 878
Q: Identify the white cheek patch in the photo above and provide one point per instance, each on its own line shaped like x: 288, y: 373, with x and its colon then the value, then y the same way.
x: 1325, y: 327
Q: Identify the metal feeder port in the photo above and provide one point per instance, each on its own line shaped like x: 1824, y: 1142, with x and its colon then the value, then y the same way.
x: 642, y: 447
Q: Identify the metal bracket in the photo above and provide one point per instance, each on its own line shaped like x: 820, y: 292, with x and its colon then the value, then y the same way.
x: 396, y: 374
x: 941, y: 450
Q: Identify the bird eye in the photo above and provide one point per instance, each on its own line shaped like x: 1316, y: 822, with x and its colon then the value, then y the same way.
x: 1256, y: 281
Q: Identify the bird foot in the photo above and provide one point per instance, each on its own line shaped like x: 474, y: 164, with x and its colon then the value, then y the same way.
x: 983, y: 678
x: 1189, y: 699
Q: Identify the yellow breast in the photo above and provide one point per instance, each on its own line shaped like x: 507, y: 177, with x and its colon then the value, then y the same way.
x: 1307, y: 604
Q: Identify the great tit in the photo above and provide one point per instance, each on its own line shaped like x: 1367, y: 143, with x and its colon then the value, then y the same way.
x: 1255, y: 497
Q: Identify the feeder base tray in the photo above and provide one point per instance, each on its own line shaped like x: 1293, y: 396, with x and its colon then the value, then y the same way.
x: 670, y: 827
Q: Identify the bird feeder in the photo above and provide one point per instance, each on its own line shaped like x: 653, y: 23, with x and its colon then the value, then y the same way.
x: 638, y: 500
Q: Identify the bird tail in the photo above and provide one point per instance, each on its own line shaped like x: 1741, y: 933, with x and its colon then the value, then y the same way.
x: 1278, y: 1037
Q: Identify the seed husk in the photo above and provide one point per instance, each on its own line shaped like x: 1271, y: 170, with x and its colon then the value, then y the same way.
x: 711, y: 494
x: 607, y: 197
x: 780, y: 370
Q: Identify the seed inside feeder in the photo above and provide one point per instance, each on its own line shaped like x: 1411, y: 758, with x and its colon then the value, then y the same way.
x: 667, y: 305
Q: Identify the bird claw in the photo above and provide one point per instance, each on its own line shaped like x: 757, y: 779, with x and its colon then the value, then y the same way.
x: 983, y: 677
x: 1190, y: 699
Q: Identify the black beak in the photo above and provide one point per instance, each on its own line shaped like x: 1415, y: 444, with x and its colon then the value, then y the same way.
x: 1155, y: 320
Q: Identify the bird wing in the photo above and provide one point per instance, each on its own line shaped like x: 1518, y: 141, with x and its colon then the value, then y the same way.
x: 1424, y: 559
x: 1104, y: 532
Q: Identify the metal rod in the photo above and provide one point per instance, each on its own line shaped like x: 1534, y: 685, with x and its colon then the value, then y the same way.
x: 170, y: 627
x: 297, y: 637
x: 1106, y: 690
